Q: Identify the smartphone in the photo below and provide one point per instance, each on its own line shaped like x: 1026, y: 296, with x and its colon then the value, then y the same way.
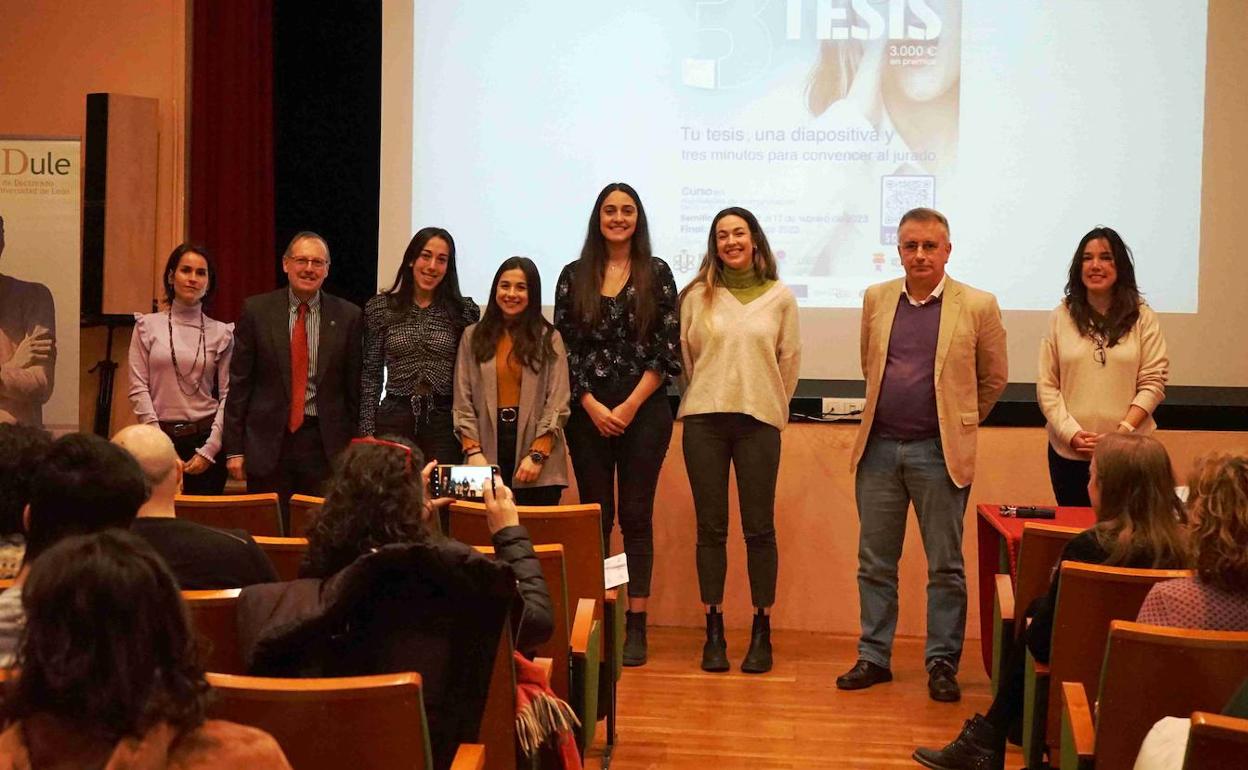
x: 462, y: 482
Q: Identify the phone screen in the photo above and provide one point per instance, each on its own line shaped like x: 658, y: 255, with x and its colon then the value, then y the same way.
x: 463, y: 482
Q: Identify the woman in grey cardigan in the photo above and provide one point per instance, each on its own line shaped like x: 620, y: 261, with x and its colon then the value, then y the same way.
x: 511, y: 388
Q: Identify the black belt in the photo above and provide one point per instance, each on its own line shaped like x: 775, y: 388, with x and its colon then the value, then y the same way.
x: 508, y: 414
x: 184, y: 429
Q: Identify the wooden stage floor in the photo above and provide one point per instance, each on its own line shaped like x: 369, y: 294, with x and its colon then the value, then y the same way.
x: 673, y: 715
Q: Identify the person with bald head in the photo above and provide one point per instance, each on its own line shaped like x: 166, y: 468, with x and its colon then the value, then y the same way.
x: 200, y: 557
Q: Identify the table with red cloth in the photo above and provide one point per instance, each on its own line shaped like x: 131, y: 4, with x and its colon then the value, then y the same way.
x: 998, y: 552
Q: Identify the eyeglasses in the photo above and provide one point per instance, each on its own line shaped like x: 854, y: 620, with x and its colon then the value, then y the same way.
x: 407, y: 451
x: 1099, y: 353
x: 303, y: 263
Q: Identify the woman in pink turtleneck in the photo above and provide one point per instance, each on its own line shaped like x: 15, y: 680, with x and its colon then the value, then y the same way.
x: 180, y: 368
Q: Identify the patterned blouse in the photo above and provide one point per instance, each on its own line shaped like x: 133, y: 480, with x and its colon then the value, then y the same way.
x: 610, y: 351
x: 1192, y: 603
x: 413, y: 350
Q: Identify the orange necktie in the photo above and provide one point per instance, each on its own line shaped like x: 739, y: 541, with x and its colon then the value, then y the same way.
x: 298, y: 368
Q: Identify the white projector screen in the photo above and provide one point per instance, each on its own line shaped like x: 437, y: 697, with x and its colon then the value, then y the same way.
x: 1026, y: 123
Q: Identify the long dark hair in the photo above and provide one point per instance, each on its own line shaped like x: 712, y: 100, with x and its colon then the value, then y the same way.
x: 107, y: 646
x: 587, y: 282
x: 172, y: 264
x: 1139, y: 517
x: 402, y: 292
x: 711, y: 271
x: 374, y: 498
x: 1124, y: 308
x: 531, y: 344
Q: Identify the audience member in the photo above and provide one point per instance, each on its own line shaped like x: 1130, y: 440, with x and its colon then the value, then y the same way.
x: 1216, y: 598
x: 83, y: 485
x: 22, y: 448
x: 109, y: 673
x: 385, y: 592
x: 200, y: 557
x: 1131, y: 488
x: 511, y: 388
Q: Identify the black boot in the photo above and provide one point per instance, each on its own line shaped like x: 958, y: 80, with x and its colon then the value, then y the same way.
x: 634, y: 638
x: 758, y: 658
x: 977, y: 747
x: 715, y: 651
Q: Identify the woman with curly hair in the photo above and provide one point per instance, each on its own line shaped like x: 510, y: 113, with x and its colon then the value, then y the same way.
x: 383, y: 591
x: 1216, y: 597
x: 109, y: 671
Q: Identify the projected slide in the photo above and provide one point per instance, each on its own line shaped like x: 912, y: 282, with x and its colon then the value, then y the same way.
x: 1027, y: 123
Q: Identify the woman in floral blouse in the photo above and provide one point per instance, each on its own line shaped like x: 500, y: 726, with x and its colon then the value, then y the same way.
x: 411, y: 337
x: 616, y: 310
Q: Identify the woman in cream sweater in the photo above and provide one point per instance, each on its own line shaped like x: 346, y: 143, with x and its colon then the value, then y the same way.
x: 740, y: 348
x: 1103, y: 364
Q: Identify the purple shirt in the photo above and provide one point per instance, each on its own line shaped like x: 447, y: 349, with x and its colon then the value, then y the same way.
x: 906, y: 409
x: 155, y: 392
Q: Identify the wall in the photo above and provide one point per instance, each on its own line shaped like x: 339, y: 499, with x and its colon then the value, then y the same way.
x: 52, y: 54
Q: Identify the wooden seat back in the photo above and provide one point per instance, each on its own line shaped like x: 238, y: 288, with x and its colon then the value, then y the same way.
x: 1216, y: 741
x: 303, y: 508
x: 578, y: 528
x: 360, y: 722
x: 214, y: 620
x: 498, y: 717
x: 1152, y: 672
x: 1089, y: 598
x: 285, y: 554
x: 1038, y: 551
x: 257, y: 514
x: 556, y: 647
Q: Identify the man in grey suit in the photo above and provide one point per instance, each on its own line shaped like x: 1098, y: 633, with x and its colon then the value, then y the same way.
x: 294, y: 379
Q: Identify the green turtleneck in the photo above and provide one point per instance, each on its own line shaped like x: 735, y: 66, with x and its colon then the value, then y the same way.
x: 745, y: 284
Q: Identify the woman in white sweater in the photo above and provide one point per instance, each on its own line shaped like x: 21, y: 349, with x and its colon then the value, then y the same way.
x: 740, y: 348
x: 1103, y: 364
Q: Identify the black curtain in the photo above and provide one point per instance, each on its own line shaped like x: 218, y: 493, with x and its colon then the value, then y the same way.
x: 327, y: 134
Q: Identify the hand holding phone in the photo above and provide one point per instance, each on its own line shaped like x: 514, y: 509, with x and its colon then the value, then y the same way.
x: 500, y: 506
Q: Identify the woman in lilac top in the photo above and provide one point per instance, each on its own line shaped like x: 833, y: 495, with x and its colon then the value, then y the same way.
x: 180, y: 368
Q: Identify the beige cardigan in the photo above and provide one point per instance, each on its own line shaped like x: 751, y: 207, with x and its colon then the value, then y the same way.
x: 740, y: 358
x: 1077, y: 393
x: 543, y: 408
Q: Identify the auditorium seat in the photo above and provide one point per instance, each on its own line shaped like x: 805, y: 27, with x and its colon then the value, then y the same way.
x: 285, y: 553
x: 214, y: 620
x: 1149, y: 672
x: 579, y: 529
x: 302, y: 510
x: 1089, y: 597
x: 1216, y: 741
x: 256, y: 514
x: 1038, y: 551
x: 362, y: 723
x: 574, y: 665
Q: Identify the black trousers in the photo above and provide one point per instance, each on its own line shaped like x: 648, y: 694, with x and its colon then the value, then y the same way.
x: 1069, y: 479
x: 302, y: 468
x: 1007, y: 706
x: 211, y: 481
x: 633, y: 458
x: 434, y: 433
x: 711, y: 443
x: 507, y: 462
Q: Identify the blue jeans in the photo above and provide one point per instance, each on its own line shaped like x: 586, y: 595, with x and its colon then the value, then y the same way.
x: 892, y: 475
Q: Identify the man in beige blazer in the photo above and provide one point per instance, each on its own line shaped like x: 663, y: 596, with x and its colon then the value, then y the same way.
x: 934, y: 357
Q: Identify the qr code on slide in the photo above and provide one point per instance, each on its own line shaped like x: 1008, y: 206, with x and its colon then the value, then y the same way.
x: 899, y: 194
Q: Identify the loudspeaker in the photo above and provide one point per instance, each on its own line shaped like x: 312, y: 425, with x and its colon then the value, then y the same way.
x: 119, y: 204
